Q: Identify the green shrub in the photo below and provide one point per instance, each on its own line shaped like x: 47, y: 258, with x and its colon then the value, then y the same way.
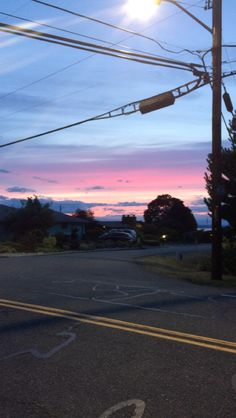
x: 94, y: 233
x: 152, y: 242
x: 32, y: 240
x: 150, y: 236
x: 204, y: 263
x: 7, y: 248
x: 229, y: 244
x: 229, y: 260
x: 10, y: 246
x: 62, y: 240
x: 49, y: 243
x: 87, y: 246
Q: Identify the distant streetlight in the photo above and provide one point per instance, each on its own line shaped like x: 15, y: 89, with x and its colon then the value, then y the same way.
x: 165, y: 99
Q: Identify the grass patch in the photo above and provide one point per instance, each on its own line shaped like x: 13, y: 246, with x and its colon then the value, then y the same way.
x: 194, y: 268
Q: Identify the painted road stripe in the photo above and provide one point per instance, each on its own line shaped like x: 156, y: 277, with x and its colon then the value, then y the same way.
x: 229, y: 295
x: 161, y: 333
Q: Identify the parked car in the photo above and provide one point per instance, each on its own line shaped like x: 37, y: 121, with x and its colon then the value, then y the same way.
x: 129, y: 231
x: 117, y: 236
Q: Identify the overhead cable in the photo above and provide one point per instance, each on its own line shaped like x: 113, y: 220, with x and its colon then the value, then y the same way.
x: 72, y: 32
x: 85, y: 46
x: 211, y: 86
x: 124, y: 110
x: 110, y: 25
x: 62, y: 69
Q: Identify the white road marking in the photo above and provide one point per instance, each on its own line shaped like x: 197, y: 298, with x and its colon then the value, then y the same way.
x: 71, y: 336
x: 129, y: 294
x: 118, y: 287
x: 138, y: 413
x: 64, y: 281
x: 111, y: 302
x: 136, y: 296
x: 101, y: 282
x: 186, y: 296
x: 225, y: 295
x: 69, y: 296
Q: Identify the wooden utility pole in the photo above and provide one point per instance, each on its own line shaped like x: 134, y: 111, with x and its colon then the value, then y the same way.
x: 216, y: 142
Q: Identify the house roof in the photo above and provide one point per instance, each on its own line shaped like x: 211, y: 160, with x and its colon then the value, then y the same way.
x: 59, y: 217
x: 113, y: 224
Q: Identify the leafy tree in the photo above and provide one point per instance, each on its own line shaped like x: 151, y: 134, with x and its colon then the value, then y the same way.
x: 87, y: 214
x: 31, y: 221
x: 93, y: 230
x: 169, y: 213
x: 228, y: 161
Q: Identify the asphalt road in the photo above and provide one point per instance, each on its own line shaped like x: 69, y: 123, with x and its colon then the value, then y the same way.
x: 95, y: 335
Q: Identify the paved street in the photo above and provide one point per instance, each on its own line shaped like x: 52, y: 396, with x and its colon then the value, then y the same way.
x: 95, y: 335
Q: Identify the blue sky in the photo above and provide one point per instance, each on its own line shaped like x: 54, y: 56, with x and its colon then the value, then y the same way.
x: 115, y: 166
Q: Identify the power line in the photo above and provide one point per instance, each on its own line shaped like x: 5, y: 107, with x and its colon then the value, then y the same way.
x: 110, y: 25
x: 85, y: 46
x: 92, y: 55
x: 228, y: 62
x: 121, y: 111
x: 142, y: 61
x: 48, y: 101
x: 211, y: 86
x: 20, y: 7
x: 192, y: 4
x: 35, y: 32
x: 229, y: 45
x: 72, y: 32
x: 46, y: 77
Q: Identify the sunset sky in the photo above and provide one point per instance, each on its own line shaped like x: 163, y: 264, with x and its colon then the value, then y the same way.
x: 114, y: 166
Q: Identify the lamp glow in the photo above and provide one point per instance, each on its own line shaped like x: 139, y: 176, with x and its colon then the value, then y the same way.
x: 140, y: 9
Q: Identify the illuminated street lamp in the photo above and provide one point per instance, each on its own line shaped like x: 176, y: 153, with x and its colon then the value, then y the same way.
x: 165, y: 99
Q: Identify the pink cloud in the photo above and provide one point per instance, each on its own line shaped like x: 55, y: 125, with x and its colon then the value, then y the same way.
x: 78, y: 171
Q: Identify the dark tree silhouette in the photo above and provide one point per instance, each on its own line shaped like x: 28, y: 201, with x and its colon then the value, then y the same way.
x: 87, y: 214
x: 32, y: 218
x: 167, y: 212
x: 228, y: 189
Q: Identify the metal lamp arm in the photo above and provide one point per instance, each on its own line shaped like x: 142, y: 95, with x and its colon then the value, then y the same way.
x: 188, y: 13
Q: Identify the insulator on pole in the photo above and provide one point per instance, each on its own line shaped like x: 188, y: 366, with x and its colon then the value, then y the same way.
x: 228, y: 102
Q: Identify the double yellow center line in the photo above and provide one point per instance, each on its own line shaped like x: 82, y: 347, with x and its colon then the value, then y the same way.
x: 160, y: 333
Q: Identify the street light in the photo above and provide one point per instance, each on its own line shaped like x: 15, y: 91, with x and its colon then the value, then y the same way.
x: 158, y: 2
x: 216, y: 32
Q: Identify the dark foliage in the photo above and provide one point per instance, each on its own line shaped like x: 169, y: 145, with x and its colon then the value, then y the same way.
x: 168, y: 213
x: 228, y: 181
x: 30, y: 223
x: 229, y: 261
x: 84, y: 214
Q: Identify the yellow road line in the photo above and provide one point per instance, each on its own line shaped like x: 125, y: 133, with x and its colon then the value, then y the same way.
x: 119, y: 322
x: 161, y: 333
